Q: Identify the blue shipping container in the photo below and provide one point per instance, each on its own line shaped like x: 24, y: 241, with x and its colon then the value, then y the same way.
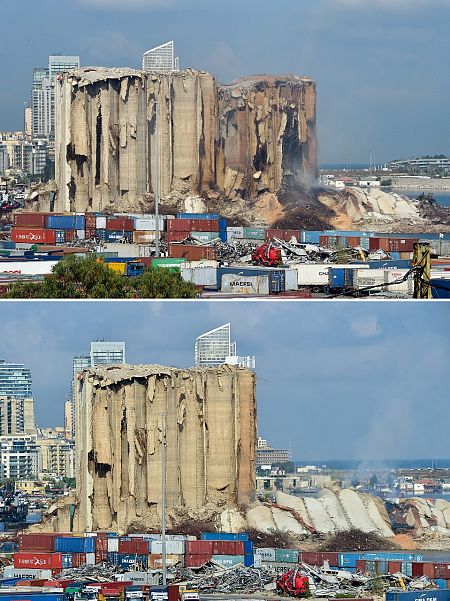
x: 339, y: 278
x: 428, y: 595
x: 248, y: 547
x: 277, y: 277
x: 392, y: 556
x: 75, y: 544
x: 348, y: 560
x: 249, y: 560
x: 113, y: 236
x: 66, y: 560
x: 223, y: 224
x: 113, y: 557
x: 310, y: 237
x: 232, y: 536
x: 133, y: 559
x: 406, y: 568
x: 223, y: 235
x: 441, y: 583
x: 8, y: 596
x: 198, y: 216
x: 440, y: 288
x: 65, y: 222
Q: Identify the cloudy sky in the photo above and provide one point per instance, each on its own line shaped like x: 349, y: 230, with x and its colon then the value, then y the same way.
x: 381, y: 65
x: 339, y: 380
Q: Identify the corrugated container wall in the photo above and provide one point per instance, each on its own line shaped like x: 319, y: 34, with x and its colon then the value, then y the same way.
x: 65, y: 222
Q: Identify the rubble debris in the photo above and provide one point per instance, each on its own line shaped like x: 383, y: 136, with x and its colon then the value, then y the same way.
x: 357, y: 540
x: 102, y: 572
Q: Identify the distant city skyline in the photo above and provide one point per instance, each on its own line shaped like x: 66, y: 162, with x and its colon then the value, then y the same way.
x: 340, y: 380
x: 381, y: 67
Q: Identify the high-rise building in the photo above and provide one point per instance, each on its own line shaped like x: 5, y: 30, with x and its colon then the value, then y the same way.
x: 4, y: 160
x: 57, y: 453
x: 107, y: 353
x: 43, y: 94
x: 102, y: 353
x: 215, y: 348
x: 266, y: 455
x: 161, y: 58
x: 16, y: 416
x: 15, y: 380
x: 19, y: 457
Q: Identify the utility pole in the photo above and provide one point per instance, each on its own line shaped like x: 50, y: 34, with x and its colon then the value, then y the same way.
x: 157, y: 178
x: 422, y: 260
x: 163, y: 499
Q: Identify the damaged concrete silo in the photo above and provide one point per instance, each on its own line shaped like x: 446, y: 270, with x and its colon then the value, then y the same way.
x: 225, y: 142
x: 210, y: 416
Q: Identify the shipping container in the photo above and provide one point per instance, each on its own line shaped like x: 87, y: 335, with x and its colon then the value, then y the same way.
x: 402, y: 244
x: 113, y: 545
x: 199, y: 547
x: 193, y: 225
x: 254, y: 233
x: 32, y: 559
x: 205, y: 236
x: 227, y: 547
x: 30, y: 220
x: 172, y: 559
x: 248, y: 547
x: 117, y: 224
x: 277, y: 276
x: 441, y: 583
x: 266, y: 553
x: 173, y: 547
x: 135, y: 545
x: 133, y: 559
x: 174, y: 265
x: 249, y: 560
x: 65, y: 222
x: 198, y: 216
x: 235, y: 233
x: 144, y: 237
x: 191, y: 252
x: 90, y: 221
x: 241, y: 284
x: 31, y: 573
x: 140, y: 578
x: 75, y: 544
x: 286, y: 555
x: 381, y: 277
x: 228, y: 561
x: 115, y: 235
x: 419, y: 595
x: 200, y: 276
x: 224, y: 536
x: 196, y: 561
x: 33, y: 235
x: 48, y: 594
x: 311, y: 237
x: 66, y: 561
x: 340, y: 278
x: 37, y: 541
x: 285, y: 235
x: 348, y: 560
x: 149, y: 224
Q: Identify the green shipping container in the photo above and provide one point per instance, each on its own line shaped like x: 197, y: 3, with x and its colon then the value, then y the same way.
x: 254, y: 233
x: 174, y: 265
x: 286, y: 555
x: 205, y: 236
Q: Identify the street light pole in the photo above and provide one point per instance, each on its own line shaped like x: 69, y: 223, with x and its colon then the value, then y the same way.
x: 163, y: 499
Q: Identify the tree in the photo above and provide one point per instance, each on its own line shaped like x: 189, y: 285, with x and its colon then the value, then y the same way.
x: 75, y: 277
x: 162, y: 283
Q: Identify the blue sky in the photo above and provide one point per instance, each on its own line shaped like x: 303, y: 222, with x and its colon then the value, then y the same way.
x: 337, y: 379
x: 381, y: 65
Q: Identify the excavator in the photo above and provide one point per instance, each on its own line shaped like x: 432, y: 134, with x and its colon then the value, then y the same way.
x: 293, y: 583
x: 267, y: 255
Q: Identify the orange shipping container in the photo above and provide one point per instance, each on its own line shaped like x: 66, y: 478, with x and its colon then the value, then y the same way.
x: 192, y: 252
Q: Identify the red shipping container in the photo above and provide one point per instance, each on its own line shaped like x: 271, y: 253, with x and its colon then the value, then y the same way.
x: 191, y: 252
x: 402, y: 244
x: 361, y: 565
x: 38, y: 560
x: 417, y: 569
x: 173, y: 590
x: 37, y: 542
x: 379, y: 243
x: 199, y: 547
x: 312, y: 558
x: 58, y: 583
x: 353, y: 241
x: 90, y: 221
x: 33, y: 235
x: 441, y: 570
x: 285, y: 235
x: 176, y: 236
x: 394, y: 567
x: 101, y: 543
x: 91, y: 232
x: 118, y: 224
x: 71, y: 235
x: 136, y: 545
x: 192, y: 225
x: 78, y: 560
x: 34, y: 582
x: 332, y: 559
x: 101, y: 556
x: 196, y: 561
x: 226, y: 547
x: 30, y: 219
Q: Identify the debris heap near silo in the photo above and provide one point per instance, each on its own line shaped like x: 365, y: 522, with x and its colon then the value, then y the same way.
x: 210, y: 416
x: 227, y: 142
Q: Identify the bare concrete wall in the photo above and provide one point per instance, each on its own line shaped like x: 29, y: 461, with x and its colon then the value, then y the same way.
x: 210, y: 433
x: 234, y: 141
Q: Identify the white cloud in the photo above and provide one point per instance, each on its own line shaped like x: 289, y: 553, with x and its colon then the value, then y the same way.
x: 365, y: 327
